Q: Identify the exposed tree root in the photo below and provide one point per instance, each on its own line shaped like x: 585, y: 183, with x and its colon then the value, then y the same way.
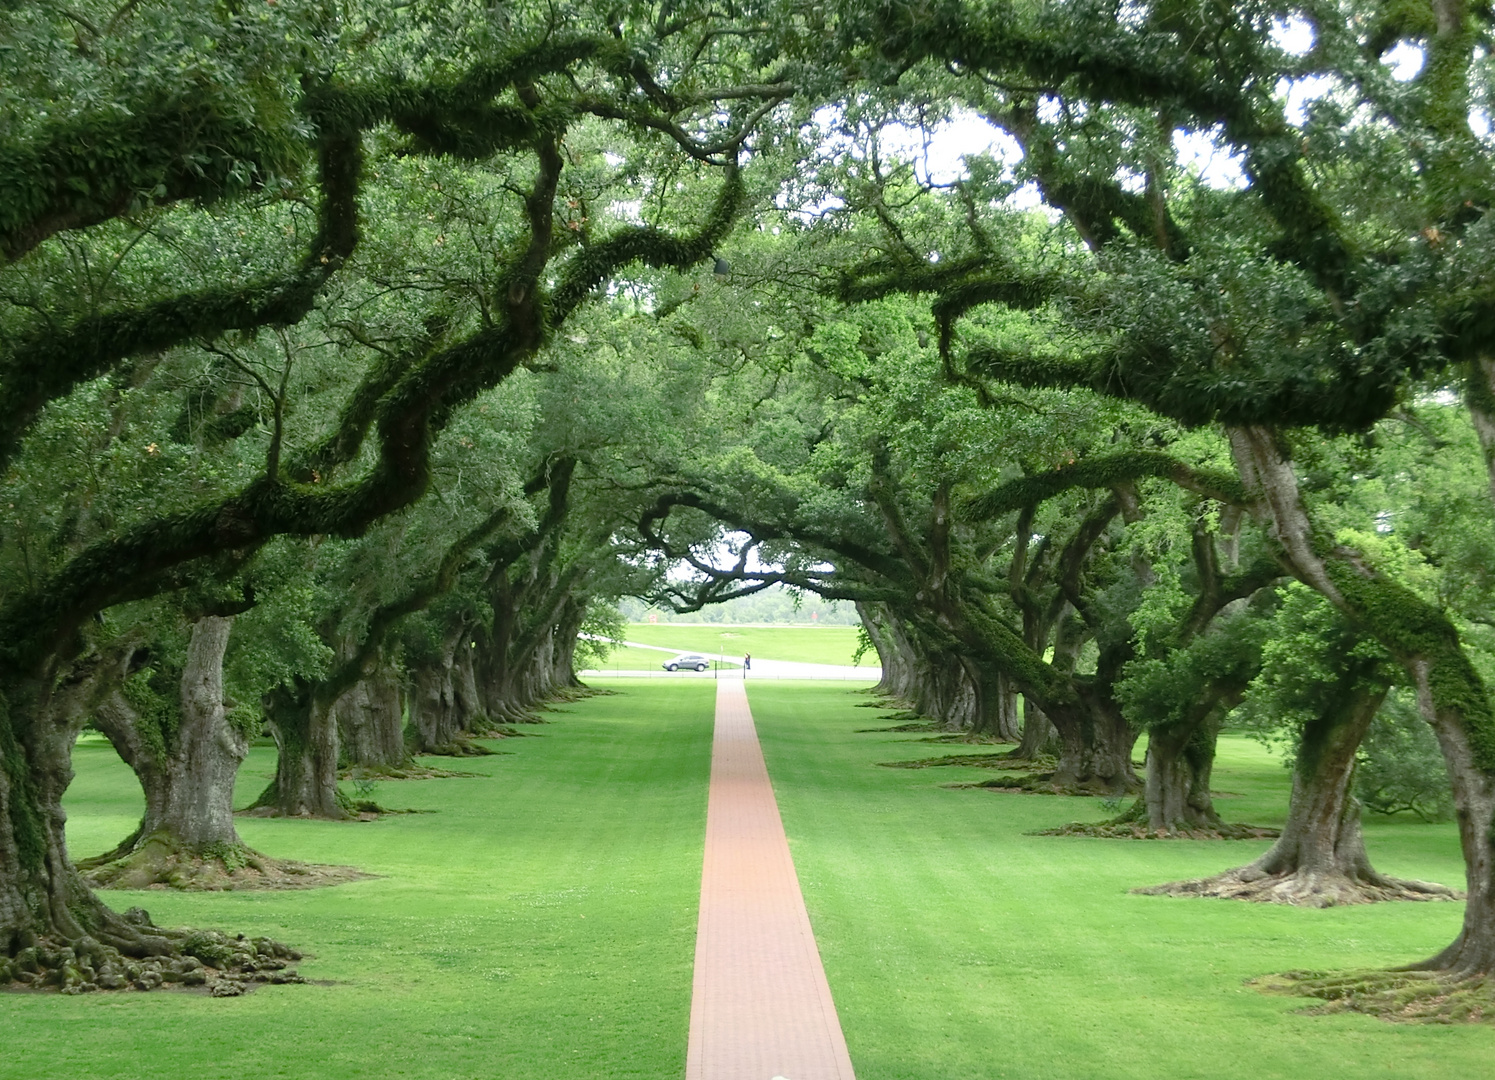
x: 463, y: 746
x: 161, y: 863
x: 1004, y: 760
x: 413, y: 770
x: 1043, y: 783
x: 1416, y: 997
x: 979, y: 761
x: 972, y: 739
x: 205, y: 960
x: 353, y: 810
x: 904, y: 720
x: 1127, y: 830
x: 1303, y: 888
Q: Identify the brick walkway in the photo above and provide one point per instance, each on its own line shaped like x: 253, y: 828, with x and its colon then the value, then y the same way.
x: 760, y: 1007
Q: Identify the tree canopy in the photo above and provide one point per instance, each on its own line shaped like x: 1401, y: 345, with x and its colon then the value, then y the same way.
x: 354, y: 359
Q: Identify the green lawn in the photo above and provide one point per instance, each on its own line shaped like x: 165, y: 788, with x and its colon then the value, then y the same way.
x: 957, y: 947
x: 808, y: 644
x: 541, y: 924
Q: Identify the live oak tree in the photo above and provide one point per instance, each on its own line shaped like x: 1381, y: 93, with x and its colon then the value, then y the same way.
x: 878, y: 481
x: 293, y: 168
x: 1339, y: 270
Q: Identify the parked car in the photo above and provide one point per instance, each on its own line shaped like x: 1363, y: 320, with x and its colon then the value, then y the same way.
x: 688, y: 660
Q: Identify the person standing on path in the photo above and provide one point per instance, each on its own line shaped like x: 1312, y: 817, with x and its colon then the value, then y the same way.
x: 747, y: 664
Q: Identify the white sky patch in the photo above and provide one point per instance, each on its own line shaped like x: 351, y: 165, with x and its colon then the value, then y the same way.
x: 1300, y: 93
x: 1479, y: 123
x: 629, y: 210
x: 1293, y: 35
x: 1218, y: 166
x: 1132, y: 14
x: 1444, y: 397
x: 723, y: 555
x: 938, y: 155
x: 1405, y: 61
x: 613, y: 160
x: 825, y: 205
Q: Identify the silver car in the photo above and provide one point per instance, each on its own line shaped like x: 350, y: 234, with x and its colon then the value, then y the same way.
x: 687, y: 660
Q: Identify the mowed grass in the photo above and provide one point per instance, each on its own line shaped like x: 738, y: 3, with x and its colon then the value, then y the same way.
x: 806, y: 644
x: 539, y: 925
x: 958, y: 947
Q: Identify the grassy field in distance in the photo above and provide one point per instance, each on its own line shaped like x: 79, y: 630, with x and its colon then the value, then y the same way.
x: 959, y: 948
x: 807, y: 644
x: 624, y: 658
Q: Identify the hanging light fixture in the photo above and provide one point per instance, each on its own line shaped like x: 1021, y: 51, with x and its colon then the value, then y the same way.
x: 722, y: 270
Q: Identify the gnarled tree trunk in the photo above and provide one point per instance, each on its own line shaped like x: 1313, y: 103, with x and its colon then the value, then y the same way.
x: 1180, y: 760
x: 895, y: 653
x: 305, y: 731
x: 1320, y: 859
x: 53, y: 930
x: 994, y: 703
x: 1038, y: 734
x: 444, y: 697
x: 1095, y: 750
x: 187, y: 836
x: 371, y: 721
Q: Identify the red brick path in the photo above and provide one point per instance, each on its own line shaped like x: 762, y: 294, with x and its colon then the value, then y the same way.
x: 760, y: 1007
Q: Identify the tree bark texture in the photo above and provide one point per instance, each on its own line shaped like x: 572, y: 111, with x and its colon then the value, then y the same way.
x: 1095, y: 749
x: 443, y: 693
x: 188, y: 784
x: 1180, y: 761
x: 1320, y: 858
x: 895, y: 652
x: 305, y: 731
x: 1038, y: 734
x: 371, y: 720
x: 53, y: 929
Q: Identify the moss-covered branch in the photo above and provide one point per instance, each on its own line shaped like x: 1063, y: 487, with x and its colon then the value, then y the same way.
x: 47, y: 364
x: 84, y: 170
x: 1094, y: 57
x: 1103, y: 471
x: 595, y: 263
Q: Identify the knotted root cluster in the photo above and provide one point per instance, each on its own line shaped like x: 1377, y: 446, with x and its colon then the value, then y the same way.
x: 206, y: 960
x: 1418, y: 997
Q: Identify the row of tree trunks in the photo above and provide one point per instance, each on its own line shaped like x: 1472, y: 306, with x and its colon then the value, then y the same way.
x: 956, y: 691
x: 444, y: 701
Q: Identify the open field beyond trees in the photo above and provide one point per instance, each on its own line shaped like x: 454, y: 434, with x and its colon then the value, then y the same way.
x: 539, y: 924
x: 805, y: 644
